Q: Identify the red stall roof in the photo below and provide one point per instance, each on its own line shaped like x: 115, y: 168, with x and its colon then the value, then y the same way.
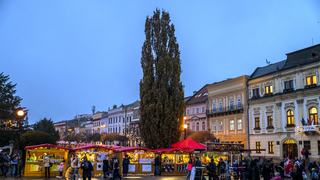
x: 89, y: 147
x: 45, y: 145
x: 163, y: 150
x: 124, y: 149
x: 188, y: 144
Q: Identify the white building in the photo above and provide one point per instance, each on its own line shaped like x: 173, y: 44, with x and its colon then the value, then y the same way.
x: 114, y: 119
x: 127, y: 122
x: 96, y: 121
x: 280, y: 95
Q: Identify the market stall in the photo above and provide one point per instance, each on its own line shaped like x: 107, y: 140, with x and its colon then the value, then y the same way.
x: 95, y: 154
x: 141, y: 160
x: 34, y: 165
x: 173, y: 161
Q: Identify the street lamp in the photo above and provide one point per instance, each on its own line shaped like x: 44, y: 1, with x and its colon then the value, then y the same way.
x: 185, y: 126
x: 102, y: 127
x: 20, y: 114
x: 69, y: 134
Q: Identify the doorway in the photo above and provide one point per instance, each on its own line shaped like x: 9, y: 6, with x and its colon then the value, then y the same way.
x: 290, y: 149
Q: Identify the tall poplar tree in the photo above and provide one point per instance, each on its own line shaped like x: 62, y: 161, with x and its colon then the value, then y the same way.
x: 161, y: 91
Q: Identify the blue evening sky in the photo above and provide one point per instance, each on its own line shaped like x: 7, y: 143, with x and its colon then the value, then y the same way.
x: 67, y: 56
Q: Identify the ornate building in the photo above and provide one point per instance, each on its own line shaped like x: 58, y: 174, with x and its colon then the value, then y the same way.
x: 280, y: 95
x: 227, y: 113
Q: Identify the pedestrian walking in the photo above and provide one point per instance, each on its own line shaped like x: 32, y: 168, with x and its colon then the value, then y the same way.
x: 266, y: 172
x: 116, y: 168
x: 19, y: 166
x: 156, y: 165
x: 70, y: 171
x: 212, y: 170
x: 14, y: 166
x: 47, y: 164
x: 6, y: 164
x: 87, y: 169
x: 61, y: 169
x: 302, y: 154
x: 125, y: 165
x: 189, y: 168
x: 105, y: 166
x: 306, y: 154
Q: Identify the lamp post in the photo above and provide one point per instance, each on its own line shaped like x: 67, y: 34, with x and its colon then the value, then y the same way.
x: 185, y: 126
x: 102, y: 129
x: 69, y: 134
x: 20, y: 114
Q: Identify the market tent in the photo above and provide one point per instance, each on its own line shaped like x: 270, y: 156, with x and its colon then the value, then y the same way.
x: 46, y: 145
x: 163, y: 150
x: 89, y: 147
x: 124, y: 149
x: 188, y: 144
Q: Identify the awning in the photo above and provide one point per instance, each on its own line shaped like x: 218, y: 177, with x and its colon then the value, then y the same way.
x: 163, y: 150
x: 188, y: 144
x: 46, y: 145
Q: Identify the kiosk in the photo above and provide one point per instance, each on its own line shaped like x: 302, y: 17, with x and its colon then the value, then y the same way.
x: 34, y: 165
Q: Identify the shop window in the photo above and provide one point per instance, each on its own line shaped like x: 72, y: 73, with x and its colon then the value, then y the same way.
x: 290, y: 119
x: 256, y: 92
x: 311, y: 80
x: 258, y: 147
x: 271, y: 147
x: 269, y: 90
x: 203, y: 109
x: 257, y: 122
x: 220, y: 106
x: 239, y: 123
x: 231, y: 125
x: 188, y: 111
x: 231, y: 105
x: 270, y: 121
x: 213, y: 107
x: 220, y: 125
x: 214, y: 127
x: 238, y: 103
x: 306, y: 145
x: 288, y: 85
x: 197, y: 126
x: 203, y: 126
x: 313, y: 115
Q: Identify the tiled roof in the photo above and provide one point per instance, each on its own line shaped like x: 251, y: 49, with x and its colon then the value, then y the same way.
x: 200, y: 96
x: 271, y: 68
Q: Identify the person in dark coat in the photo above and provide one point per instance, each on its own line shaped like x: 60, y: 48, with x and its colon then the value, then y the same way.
x: 87, y: 168
x: 125, y: 165
x: 306, y: 154
x: 156, y: 165
x: 115, y: 166
x: 2, y: 163
x: 255, y: 172
x: 297, y: 175
x: 105, y: 166
x: 198, y: 171
x: 266, y: 172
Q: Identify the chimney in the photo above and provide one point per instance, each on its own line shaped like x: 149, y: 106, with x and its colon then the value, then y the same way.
x: 194, y: 92
x: 114, y: 106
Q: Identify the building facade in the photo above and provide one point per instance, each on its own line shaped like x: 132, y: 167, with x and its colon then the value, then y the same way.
x: 96, y: 121
x: 128, y: 122
x: 227, y: 112
x: 280, y: 95
x: 114, y: 119
x: 196, y: 106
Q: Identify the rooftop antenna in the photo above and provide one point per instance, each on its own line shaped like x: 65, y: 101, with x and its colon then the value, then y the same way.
x: 268, y: 62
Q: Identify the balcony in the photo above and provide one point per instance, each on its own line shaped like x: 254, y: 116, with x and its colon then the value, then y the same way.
x: 225, y: 111
x: 287, y: 90
x: 310, y: 86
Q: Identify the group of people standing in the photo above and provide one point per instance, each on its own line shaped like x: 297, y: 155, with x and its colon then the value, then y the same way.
x: 14, y: 161
x: 111, y: 169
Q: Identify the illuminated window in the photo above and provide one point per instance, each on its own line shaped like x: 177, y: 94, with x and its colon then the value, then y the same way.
x: 269, y: 90
x: 311, y: 80
x: 270, y: 121
x: 271, y: 147
x: 258, y: 147
x: 231, y: 125
x: 239, y: 123
x: 257, y: 122
x: 313, y: 115
x: 290, y: 119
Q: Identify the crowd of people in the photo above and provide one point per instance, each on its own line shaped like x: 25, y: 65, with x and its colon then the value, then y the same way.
x: 10, y: 164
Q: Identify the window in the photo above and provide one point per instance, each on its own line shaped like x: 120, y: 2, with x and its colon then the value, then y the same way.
x: 231, y: 105
x: 258, y: 147
x: 220, y: 106
x: 271, y: 147
x: 311, y: 80
x: 119, y: 130
x: 313, y: 115
x: 269, y: 90
x: 188, y: 111
x: 270, y: 121
x: 197, y: 110
x: 306, y: 145
x: 130, y: 118
x: 214, y: 127
x: 192, y: 110
x: 197, y: 126
x: 203, y: 126
x: 288, y: 84
x: 213, y: 107
x: 318, y: 147
x: 239, y: 123
x: 231, y: 125
x: 193, y: 127
x: 257, y: 122
x: 256, y: 92
x: 203, y: 109
x: 290, y: 119
x: 238, y: 103
x: 220, y: 125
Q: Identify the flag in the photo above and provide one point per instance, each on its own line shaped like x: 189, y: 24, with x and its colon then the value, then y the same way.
x: 303, y: 122
x: 312, y: 121
x: 308, y: 121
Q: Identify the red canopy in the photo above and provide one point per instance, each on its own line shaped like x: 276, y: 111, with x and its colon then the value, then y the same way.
x: 89, y: 147
x: 188, y: 144
x: 125, y: 149
x: 162, y: 150
x: 45, y: 145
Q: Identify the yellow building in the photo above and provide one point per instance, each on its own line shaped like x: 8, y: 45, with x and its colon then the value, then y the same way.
x: 227, y: 102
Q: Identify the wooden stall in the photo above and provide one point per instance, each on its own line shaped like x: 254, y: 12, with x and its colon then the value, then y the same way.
x: 141, y: 160
x: 173, y: 161
x: 34, y: 165
x: 95, y: 154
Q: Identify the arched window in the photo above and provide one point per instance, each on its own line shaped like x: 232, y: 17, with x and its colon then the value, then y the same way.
x: 290, y: 119
x: 197, y: 126
x: 313, y: 114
